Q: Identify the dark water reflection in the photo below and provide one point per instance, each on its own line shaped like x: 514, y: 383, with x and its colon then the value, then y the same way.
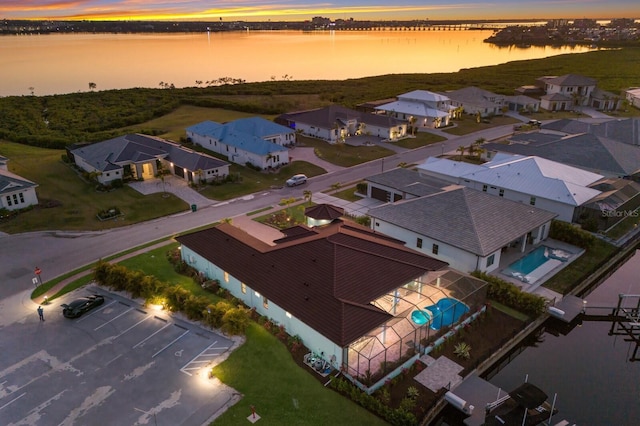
x: 590, y: 371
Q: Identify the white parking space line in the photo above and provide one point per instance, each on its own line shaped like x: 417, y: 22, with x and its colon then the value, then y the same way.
x: 174, y: 340
x: 112, y: 320
x: 150, y: 336
x: 206, y: 355
x: 13, y: 400
x: 84, y: 317
x: 135, y: 325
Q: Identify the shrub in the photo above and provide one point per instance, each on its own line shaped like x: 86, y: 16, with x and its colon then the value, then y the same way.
x: 235, y: 321
x: 463, y: 350
x: 571, y: 234
x: 361, y: 187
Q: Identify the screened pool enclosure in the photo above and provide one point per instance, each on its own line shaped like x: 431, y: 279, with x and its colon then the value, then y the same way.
x: 422, y: 310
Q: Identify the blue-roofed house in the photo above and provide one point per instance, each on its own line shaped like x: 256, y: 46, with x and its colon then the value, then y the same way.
x: 16, y: 192
x: 253, y: 140
x: 139, y: 156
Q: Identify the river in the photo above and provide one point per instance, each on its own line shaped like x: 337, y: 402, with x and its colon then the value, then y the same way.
x: 66, y: 63
x: 590, y: 371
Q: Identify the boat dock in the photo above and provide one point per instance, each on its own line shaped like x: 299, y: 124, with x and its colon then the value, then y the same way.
x: 568, y: 308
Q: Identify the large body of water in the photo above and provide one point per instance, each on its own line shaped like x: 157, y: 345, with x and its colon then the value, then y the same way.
x: 590, y: 371
x: 66, y: 63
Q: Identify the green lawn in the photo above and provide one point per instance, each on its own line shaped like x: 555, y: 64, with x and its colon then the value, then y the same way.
x: 74, y: 202
x: 342, y: 154
x: 348, y: 194
x: 468, y: 124
x: 420, y: 139
x: 282, y: 393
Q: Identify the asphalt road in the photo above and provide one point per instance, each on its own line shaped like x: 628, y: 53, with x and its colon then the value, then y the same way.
x: 56, y: 253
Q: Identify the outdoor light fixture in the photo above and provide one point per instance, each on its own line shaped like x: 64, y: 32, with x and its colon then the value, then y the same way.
x: 257, y: 294
x: 46, y: 300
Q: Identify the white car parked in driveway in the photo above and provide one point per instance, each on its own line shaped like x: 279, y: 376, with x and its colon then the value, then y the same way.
x: 296, y: 180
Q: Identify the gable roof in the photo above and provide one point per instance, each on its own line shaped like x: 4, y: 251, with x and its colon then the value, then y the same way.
x: 239, y: 135
x: 531, y: 175
x: 327, y: 279
x: 475, y: 96
x: 412, y: 108
x: 11, y: 182
x: 112, y: 154
x: 466, y: 218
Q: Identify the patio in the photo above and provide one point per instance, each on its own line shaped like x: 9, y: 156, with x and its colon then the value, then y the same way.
x: 541, y: 274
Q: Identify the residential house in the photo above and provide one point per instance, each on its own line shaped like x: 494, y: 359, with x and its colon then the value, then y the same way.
x: 522, y: 103
x: 345, y: 290
x: 336, y: 124
x: 256, y: 141
x: 585, y: 150
x: 476, y: 101
x: 530, y: 180
x: 604, y: 101
x: 467, y: 228
x: 139, y: 157
x: 16, y: 192
x: 632, y: 95
x: 402, y: 184
x: 421, y: 108
x: 572, y: 88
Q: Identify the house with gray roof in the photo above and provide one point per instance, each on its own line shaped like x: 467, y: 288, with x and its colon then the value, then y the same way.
x: 336, y: 124
x: 16, y: 192
x: 474, y: 100
x: 522, y: 103
x: 421, y: 108
x: 632, y: 96
x: 467, y: 228
x: 565, y: 92
x: 402, y: 184
x: 139, y: 157
x: 254, y: 140
x: 587, y: 151
x: 530, y: 180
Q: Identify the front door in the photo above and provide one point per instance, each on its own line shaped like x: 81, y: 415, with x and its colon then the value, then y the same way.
x: 147, y: 171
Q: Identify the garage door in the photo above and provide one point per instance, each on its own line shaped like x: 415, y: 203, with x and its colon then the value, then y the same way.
x: 179, y: 171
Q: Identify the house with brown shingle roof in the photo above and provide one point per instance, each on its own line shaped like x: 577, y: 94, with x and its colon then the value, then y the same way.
x: 344, y: 289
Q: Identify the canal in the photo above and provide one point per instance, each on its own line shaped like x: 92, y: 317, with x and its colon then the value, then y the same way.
x: 590, y: 371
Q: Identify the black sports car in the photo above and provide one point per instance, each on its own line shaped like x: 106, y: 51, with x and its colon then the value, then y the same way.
x: 80, y: 306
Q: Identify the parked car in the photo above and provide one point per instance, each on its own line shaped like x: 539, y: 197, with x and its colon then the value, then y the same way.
x: 296, y: 180
x: 80, y: 306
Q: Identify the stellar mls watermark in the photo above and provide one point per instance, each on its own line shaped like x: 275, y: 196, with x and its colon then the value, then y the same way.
x: 621, y: 213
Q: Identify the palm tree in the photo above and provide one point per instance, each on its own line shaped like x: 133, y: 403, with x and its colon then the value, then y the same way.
x: 461, y: 149
x: 472, y: 149
x: 307, y: 194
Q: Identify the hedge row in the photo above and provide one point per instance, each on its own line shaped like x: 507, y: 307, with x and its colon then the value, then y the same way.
x: 508, y: 294
x: 224, y: 315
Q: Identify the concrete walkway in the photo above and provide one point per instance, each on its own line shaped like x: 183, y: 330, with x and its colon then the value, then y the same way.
x: 309, y: 155
x: 174, y: 185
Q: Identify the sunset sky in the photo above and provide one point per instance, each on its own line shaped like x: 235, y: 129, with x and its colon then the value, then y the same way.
x: 297, y: 10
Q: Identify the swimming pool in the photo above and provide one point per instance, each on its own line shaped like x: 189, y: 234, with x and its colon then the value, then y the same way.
x: 537, y: 263
x: 445, y: 312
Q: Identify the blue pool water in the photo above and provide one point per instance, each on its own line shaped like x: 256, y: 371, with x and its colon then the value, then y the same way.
x: 533, y: 261
x: 445, y: 312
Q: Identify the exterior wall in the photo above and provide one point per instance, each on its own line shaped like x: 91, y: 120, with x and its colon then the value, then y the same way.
x: 311, y: 338
x: 583, y: 91
x: 18, y: 199
x: 239, y: 156
x: 282, y: 139
x: 102, y: 178
x: 329, y: 135
x: 633, y: 98
x: 393, y: 133
x: 564, y: 211
x: 555, y: 105
x: 458, y: 259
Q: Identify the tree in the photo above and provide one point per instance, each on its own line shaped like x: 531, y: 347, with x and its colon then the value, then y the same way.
x: 471, y: 149
x: 92, y: 86
x: 307, y: 194
x: 461, y: 149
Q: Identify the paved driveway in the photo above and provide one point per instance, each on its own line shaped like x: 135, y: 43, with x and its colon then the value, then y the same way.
x: 119, y: 364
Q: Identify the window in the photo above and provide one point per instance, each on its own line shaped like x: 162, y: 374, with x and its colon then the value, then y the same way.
x: 243, y: 288
x: 532, y: 201
x: 21, y: 195
x: 435, y: 249
x: 226, y: 277
x: 491, y: 259
x: 501, y: 192
x: 419, y: 243
x: 8, y: 200
x: 484, y: 188
x: 265, y: 302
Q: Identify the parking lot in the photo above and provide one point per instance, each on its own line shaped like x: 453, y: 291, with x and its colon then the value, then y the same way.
x: 119, y: 364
